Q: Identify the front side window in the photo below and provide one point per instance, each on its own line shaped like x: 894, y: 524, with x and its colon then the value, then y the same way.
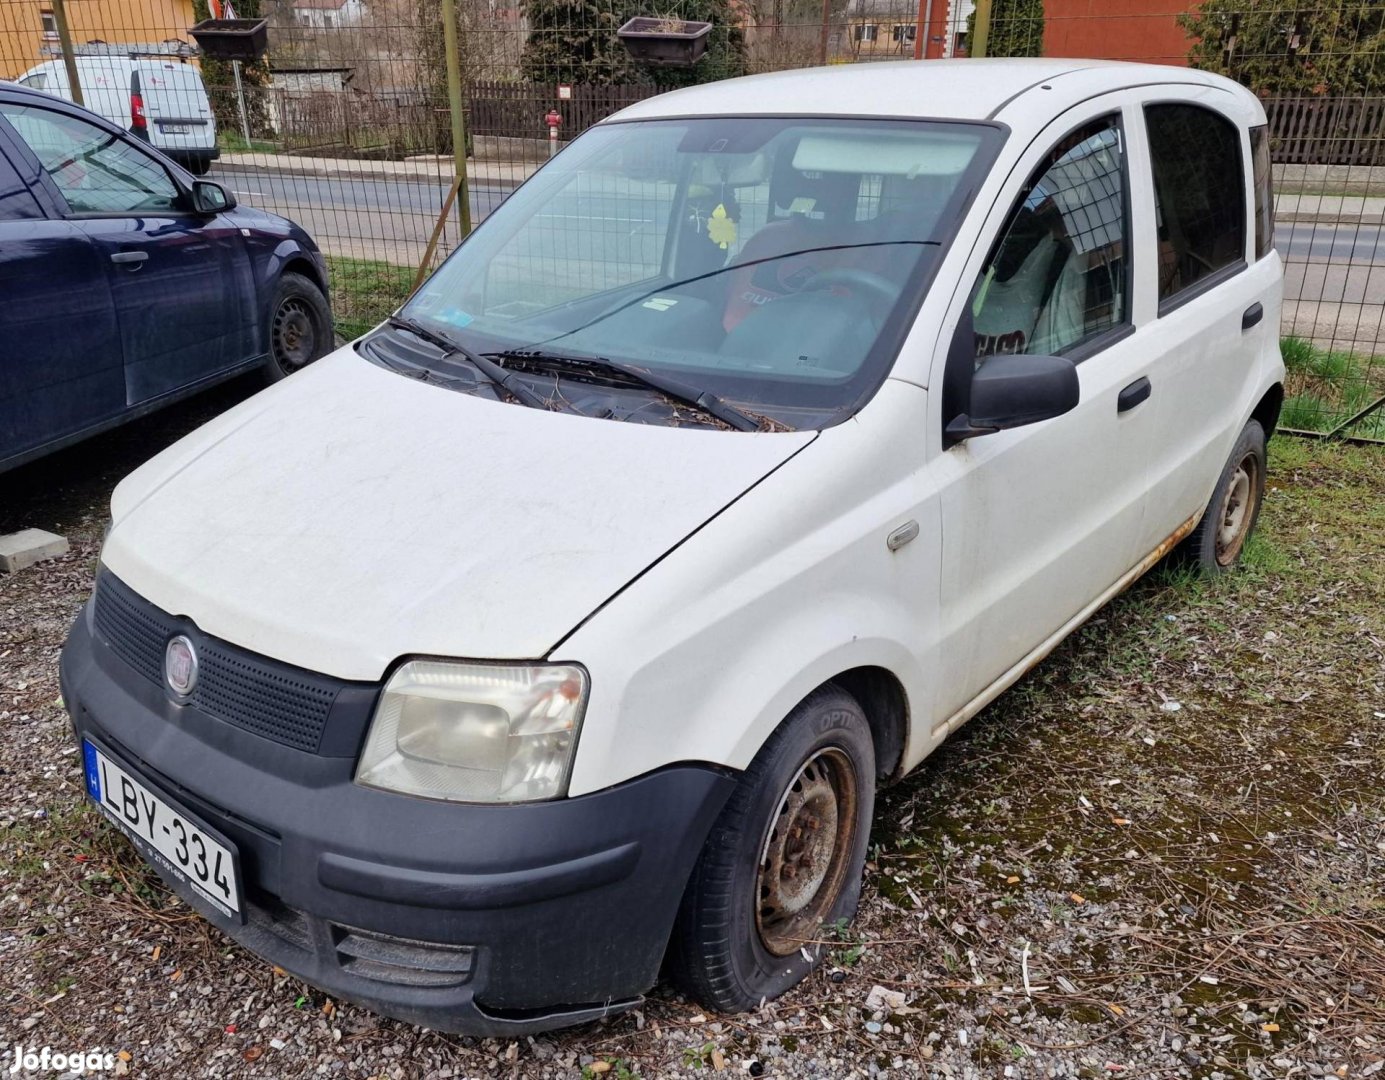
x: 96, y: 171
x: 1057, y: 276
x: 772, y: 261
x: 1199, y: 194
x: 1264, y: 193
x: 37, y: 81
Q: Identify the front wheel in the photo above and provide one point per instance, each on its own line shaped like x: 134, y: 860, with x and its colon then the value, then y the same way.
x: 1220, y: 537
x: 300, y: 326
x: 782, y: 862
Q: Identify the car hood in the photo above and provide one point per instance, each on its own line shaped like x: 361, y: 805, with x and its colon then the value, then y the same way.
x: 350, y: 516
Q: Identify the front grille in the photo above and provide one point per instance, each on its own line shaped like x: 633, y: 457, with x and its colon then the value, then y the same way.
x: 363, y: 953
x: 401, y: 961
x: 284, y: 704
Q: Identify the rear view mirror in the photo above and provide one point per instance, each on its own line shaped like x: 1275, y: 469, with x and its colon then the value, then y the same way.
x: 1012, y: 390
x: 210, y: 198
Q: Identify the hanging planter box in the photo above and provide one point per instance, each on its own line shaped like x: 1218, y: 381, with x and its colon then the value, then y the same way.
x: 665, y: 42
x: 232, y: 39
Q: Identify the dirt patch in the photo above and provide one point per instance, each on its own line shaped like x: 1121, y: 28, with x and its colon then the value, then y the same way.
x: 1160, y: 855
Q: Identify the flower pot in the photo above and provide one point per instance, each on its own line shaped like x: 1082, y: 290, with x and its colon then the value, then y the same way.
x: 232, y: 39
x: 664, y: 42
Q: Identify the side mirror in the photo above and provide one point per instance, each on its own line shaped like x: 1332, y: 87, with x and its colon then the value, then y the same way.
x: 210, y: 198
x: 1012, y: 390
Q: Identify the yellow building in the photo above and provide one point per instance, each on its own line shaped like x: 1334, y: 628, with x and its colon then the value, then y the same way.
x: 29, y: 33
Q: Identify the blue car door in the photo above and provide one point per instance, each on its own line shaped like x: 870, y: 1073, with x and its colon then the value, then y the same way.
x: 61, y: 366
x: 173, y: 274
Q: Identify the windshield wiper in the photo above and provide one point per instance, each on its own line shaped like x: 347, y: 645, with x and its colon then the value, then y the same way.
x: 704, y: 400
x: 488, y: 367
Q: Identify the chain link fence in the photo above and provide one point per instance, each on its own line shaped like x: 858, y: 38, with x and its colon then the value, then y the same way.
x: 344, y: 125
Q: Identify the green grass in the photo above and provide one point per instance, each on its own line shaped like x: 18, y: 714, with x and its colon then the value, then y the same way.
x: 231, y: 142
x: 364, y: 291
x: 1328, y: 386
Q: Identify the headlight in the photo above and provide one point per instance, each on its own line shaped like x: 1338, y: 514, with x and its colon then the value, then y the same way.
x: 475, y: 732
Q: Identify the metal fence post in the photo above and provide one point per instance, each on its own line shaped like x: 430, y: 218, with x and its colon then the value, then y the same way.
x: 65, y: 43
x: 454, y: 100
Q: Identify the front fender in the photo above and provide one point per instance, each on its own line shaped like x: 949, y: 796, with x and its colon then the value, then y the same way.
x: 702, y: 657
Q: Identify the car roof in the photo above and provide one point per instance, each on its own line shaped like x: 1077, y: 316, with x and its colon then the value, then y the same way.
x: 964, y: 89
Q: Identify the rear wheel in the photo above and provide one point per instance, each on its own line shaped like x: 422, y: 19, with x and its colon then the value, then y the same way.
x: 300, y: 326
x: 199, y: 166
x: 783, y: 860
x: 1216, y: 544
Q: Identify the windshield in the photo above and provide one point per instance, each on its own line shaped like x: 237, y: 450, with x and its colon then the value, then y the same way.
x: 772, y: 262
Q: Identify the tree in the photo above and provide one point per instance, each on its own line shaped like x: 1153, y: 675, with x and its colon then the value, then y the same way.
x: 1017, y: 28
x: 220, y: 80
x: 1335, y: 47
x: 575, y: 41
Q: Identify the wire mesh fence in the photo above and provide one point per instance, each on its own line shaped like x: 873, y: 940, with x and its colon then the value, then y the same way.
x: 344, y: 124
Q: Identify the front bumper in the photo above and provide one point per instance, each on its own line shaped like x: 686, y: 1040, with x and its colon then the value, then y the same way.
x: 479, y: 920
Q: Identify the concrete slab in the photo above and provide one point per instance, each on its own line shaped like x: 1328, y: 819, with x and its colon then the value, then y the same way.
x: 29, y: 546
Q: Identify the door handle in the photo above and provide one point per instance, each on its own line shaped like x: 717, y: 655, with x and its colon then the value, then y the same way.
x: 1253, y: 315
x: 135, y: 257
x: 1133, y: 394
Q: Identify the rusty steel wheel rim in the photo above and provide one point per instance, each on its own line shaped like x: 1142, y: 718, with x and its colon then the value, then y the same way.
x: 1237, y: 510
x: 293, y: 334
x: 807, y: 849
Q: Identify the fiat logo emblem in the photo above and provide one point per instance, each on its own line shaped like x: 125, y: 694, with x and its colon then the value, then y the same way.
x: 180, y: 666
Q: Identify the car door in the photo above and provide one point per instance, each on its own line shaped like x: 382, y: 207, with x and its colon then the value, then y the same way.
x: 61, y: 369
x: 170, y: 270
x: 1041, y: 522
x: 1217, y: 304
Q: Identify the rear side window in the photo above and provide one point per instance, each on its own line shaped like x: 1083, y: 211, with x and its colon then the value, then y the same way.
x: 1199, y: 192
x: 1264, y: 194
x: 96, y: 171
x: 16, y: 203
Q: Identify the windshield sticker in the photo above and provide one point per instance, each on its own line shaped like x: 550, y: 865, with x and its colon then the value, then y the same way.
x: 659, y: 303
x: 454, y: 317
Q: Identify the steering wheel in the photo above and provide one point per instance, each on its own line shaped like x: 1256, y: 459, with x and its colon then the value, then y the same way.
x: 879, y: 288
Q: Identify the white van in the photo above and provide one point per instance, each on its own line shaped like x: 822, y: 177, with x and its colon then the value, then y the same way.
x: 161, y: 101
x: 561, y: 628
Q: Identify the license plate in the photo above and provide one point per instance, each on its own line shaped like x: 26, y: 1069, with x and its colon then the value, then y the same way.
x: 166, y: 833
x: 174, y: 129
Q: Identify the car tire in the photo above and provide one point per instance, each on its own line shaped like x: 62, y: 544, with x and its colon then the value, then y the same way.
x: 1216, y: 544
x: 299, y: 326
x: 783, y: 861
x: 199, y: 166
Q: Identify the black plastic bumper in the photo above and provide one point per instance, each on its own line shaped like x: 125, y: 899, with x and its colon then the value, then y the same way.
x: 480, y: 920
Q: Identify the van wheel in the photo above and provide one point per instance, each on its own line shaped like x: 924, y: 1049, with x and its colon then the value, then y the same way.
x: 199, y: 166
x: 783, y: 860
x: 300, y: 326
x: 1220, y: 537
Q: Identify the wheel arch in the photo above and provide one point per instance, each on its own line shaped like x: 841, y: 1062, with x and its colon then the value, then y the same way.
x: 1267, y: 409
x: 883, y: 699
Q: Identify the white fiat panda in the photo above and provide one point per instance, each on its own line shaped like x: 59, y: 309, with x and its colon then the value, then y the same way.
x: 560, y: 629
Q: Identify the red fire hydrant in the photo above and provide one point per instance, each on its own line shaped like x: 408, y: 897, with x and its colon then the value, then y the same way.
x: 554, y: 120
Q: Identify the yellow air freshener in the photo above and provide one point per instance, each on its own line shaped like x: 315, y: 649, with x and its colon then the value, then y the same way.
x: 720, y: 228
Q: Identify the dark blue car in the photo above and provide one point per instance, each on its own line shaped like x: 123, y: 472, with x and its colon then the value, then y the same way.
x: 126, y: 283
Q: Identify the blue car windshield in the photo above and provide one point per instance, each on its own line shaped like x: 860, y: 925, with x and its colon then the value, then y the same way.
x: 773, y: 261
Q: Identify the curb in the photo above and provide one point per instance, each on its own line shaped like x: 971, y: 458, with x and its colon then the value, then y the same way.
x: 478, y: 177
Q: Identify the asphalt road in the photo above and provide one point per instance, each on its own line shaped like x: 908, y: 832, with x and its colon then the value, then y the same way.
x: 1334, y: 290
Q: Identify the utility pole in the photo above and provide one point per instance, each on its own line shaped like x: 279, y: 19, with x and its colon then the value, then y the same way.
x: 65, y: 43
x: 454, y: 101
x: 826, y: 21
x: 982, y: 30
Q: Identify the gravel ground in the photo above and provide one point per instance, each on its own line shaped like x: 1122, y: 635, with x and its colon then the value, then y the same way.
x: 1161, y: 855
